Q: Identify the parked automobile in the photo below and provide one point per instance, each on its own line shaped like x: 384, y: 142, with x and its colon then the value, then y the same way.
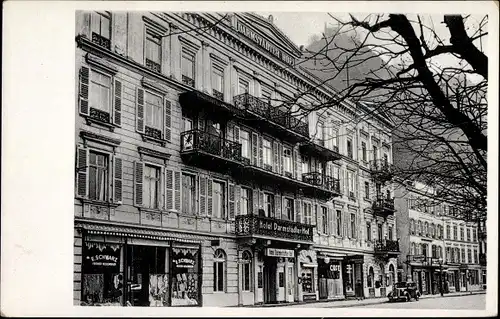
x: 405, y: 291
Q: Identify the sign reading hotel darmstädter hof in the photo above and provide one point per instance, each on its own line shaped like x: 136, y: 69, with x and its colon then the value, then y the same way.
x: 278, y: 226
x: 276, y: 252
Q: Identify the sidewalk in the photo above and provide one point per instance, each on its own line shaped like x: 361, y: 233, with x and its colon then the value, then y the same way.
x: 356, y: 303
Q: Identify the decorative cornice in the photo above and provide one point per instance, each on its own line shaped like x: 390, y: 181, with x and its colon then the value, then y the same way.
x: 154, y: 153
x: 100, y: 62
x: 99, y: 138
x: 154, y: 85
x: 155, y: 25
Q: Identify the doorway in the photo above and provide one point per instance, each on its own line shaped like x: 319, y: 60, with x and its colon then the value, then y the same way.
x: 270, y: 270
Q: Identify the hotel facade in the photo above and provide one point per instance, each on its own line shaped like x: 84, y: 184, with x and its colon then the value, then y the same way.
x: 202, y: 179
x: 438, y: 250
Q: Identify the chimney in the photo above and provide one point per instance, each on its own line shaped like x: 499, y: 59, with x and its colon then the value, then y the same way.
x: 270, y: 18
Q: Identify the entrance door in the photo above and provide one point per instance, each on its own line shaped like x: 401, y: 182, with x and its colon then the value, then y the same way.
x: 289, y: 284
x: 281, y: 282
x: 270, y: 280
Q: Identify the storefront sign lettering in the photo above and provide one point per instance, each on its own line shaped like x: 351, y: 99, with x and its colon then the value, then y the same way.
x: 275, y: 252
x: 274, y: 50
x: 184, y: 263
x: 290, y: 229
x: 334, y: 267
x: 104, y: 260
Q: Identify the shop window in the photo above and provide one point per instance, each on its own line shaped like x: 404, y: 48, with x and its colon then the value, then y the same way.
x: 102, y: 279
x: 185, y: 276
x: 307, y: 278
x: 219, y: 271
x: 246, y: 277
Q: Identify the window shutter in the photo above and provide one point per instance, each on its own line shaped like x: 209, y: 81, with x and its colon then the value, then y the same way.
x: 261, y: 200
x: 334, y: 222
x: 118, y: 180
x: 297, y: 163
x: 255, y: 200
x: 139, y: 115
x: 255, y: 149
x: 169, y: 189
x: 82, y: 169
x: 277, y: 206
x: 117, y: 118
x: 177, y: 190
x: 237, y: 199
x: 281, y: 158
x: 319, y: 219
x: 202, y: 187
x: 139, y: 181
x: 231, y: 201
x: 330, y: 221
x: 84, y: 90
x: 298, y: 210
x: 261, y: 152
x: 168, y: 121
x: 209, y: 197
x: 275, y: 157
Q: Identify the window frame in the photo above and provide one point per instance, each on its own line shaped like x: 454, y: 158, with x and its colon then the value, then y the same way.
x: 108, y: 186
x: 352, y: 221
x: 217, y: 69
x: 159, y: 168
x: 267, y: 152
x: 220, y: 260
x: 101, y: 14
x: 188, y: 54
x: 269, y: 205
x: 152, y: 36
x: 308, y: 218
x: 324, y: 216
x: 287, y: 160
x: 369, y: 231
x: 223, y: 212
x: 249, y: 198
x: 290, y: 209
x: 248, y: 148
x: 194, y: 190
x: 363, y: 151
x: 246, y: 261
x: 161, y: 108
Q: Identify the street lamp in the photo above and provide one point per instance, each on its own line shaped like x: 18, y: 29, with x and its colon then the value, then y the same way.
x: 440, y: 260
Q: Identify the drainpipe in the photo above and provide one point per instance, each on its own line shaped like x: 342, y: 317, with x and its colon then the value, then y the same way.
x: 240, y: 284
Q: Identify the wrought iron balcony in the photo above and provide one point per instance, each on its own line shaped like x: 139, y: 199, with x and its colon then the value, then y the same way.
x: 426, y: 261
x: 101, y: 41
x: 265, y: 227
x: 318, y: 149
x: 381, y: 170
x: 188, y: 81
x: 387, y: 247
x: 218, y: 95
x: 196, y: 100
x: 99, y: 115
x: 210, y: 151
x: 383, y: 206
x: 320, y: 184
x: 153, y: 66
x: 271, y: 118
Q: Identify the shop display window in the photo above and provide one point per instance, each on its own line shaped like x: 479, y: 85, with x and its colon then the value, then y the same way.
x: 307, y: 280
x: 185, y: 277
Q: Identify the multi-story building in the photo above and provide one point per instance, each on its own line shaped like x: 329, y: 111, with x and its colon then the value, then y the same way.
x: 436, y: 247
x: 200, y: 180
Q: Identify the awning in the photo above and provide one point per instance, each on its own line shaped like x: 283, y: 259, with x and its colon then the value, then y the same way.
x: 309, y: 265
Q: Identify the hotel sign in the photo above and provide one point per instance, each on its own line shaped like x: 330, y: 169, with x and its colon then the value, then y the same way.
x: 280, y: 227
x: 260, y: 40
x: 276, y: 252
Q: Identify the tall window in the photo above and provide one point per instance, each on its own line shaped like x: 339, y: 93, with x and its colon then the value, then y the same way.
x: 305, y: 164
x: 287, y: 160
x: 266, y: 145
x: 269, y: 204
x: 419, y: 228
x: 289, y: 209
x: 469, y: 256
x: 338, y: 218
x: 350, y: 181
x: 378, y: 190
x: 100, y: 87
x: 98, y: 176
x: 386, y: 159
x: 246, y: 201
x: 474, y: 235
x: 468, y: 234
x: 390, y: 236
x: 321, y: 132
x: 463, y: 255
x: 380, y: 232
x: 349, y: 148
x: 101, y: 28
x: 151, y: 186
x: 154, y: 114
x: 188, y: 194
x: 218, y: 200
x: 353, y: 225
x: 246, y: 273
x: 307, y: 213
x: 369, y: 280
x: 367, y: 190
x: 448, y: 232
x: 363, y: 151
x: 324, y: 216
x: 476, y: 260
x: 187, y: 67
x: 243, y: 85
x: 461, y: 233
x: 375, y: 153
x: 219, y: 271
x: 153, y: 52
x: 218, y: 82
x: 245, y: 144
x: 368, y: 231
x: 426, y: 229
x: 412, y: 226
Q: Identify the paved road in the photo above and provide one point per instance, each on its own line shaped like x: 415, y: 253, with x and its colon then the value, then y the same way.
x: 471, y: 302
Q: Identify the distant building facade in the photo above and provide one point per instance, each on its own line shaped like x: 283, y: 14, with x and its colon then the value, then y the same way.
x: 434, y: 243
x: 195, y: 182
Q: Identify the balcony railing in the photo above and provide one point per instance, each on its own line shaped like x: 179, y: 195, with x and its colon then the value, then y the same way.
x: 387, y: 246
x: 196, y: 140
x: 153, y: 66
x: 255, y: 226
x: 265, y: 110
x: 101, y: 41
x: 218, y: 95
x: 99, y: 115
x: 319, y: 179
x: 381, y: 169
x: 383, y: 204
x: 188, y: 81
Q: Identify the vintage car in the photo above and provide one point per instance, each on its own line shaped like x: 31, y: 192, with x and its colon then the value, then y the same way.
x: 405, y: 291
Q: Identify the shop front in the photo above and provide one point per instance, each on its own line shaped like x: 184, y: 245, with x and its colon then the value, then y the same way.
x: 330, y: 278
x: 149, y: 271
x: 353, y: 279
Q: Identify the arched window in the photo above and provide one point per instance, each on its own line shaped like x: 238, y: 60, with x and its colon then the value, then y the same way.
x: 370, y: 277
x: 412, y: 249
x: 219, y: 270
x: 246, y: 273
x: 391, y: 276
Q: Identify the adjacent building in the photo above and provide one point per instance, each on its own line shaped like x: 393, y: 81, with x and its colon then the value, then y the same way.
x: 203, y: 177
x: 438, y: 251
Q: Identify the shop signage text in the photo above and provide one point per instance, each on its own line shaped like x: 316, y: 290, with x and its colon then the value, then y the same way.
x: 104, y: 260
x: 184, y: 263
x: 274, y: 50
x: 275, y: 252
x: 290, y: 229
x: 334, y: 267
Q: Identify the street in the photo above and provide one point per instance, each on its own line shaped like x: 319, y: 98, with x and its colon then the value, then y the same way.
x: 477, y: 302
